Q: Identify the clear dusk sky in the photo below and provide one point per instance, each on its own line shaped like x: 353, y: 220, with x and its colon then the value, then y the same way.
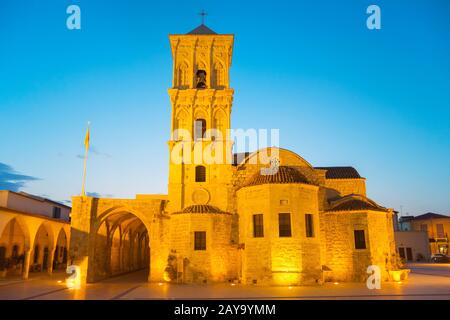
x: 339, y: 93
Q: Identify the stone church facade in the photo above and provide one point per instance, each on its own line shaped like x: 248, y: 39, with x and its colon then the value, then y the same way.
x: 237, y: 218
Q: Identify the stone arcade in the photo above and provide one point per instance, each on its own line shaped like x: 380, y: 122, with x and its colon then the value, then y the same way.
x: 230, y: 222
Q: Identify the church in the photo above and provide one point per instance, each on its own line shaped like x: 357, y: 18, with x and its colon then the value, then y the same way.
x: 263, y: 218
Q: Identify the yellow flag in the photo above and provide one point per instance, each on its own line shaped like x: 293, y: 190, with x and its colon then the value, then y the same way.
x: 86, y: 139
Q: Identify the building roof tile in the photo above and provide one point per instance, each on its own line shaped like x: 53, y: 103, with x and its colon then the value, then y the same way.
x: 284, y: 174
x: 340, y: 172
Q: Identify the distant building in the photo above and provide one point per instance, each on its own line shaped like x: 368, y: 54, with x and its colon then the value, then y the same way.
x: 412, y: 246
x: 28, y: 203
x: 34, y: 234
x: 437, y: 226
x: 404, y: 223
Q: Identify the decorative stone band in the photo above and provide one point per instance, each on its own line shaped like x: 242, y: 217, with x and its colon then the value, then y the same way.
x: 201, y: 208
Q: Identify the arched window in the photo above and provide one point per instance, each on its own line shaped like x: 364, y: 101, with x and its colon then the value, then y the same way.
x: 180, y: 126
x: 199, y: 129
x: 183, y: 75
x: 219, y: 125
x: 201, y: 79
x: 200, y: 174
x: 219, y: 75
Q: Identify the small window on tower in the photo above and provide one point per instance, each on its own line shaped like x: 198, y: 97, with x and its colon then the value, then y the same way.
x: 199, y: 129
x: 201, y: 79
x: 200, y: 174
x: 183, y: 75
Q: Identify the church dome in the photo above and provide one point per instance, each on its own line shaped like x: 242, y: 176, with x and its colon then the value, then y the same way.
x: 284, y: 174
x: 201, y: 208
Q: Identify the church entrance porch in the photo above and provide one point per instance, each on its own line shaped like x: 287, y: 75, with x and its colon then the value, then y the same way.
x: 121, y: 246
x: 110, y: 237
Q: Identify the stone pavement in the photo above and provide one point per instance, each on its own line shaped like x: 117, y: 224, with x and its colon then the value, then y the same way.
x: 427, y: 281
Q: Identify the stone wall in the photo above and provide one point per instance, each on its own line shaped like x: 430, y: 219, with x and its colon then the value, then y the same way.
x: 341, y: 259
x: 88, y: 245
x: 343, y: 187
x: 273, y: 259
x: 218, y: 263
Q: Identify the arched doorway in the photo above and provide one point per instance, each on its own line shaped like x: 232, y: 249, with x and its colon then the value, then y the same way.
x: 13, y: 243
x: 121, y: 246
x: 43, y: 248
x: 60, y: 254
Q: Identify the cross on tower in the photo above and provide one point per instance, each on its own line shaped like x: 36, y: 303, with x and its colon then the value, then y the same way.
x: 203, y: 14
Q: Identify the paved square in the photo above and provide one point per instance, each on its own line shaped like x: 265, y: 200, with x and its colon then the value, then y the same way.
x: 426, y: 281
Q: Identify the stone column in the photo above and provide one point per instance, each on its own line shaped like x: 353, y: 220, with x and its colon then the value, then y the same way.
x: 81, y: 248
x: 50, y: 261
x: 26, y: 264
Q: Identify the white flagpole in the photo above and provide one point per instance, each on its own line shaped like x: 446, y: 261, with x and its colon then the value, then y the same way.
x: 83, y: 187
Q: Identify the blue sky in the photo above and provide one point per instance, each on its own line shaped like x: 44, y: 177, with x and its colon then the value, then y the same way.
x: 339, y: 93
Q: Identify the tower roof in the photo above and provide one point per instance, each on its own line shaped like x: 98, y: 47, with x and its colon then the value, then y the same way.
x: 201, y: 29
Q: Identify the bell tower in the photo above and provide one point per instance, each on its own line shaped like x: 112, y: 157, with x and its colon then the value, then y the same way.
x: 200, y: 149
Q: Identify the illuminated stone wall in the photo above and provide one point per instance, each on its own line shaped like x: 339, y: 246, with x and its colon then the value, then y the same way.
x: 273, y: 259
x: 218, y: 263
x: 345, y: 263
x: 343, y: 187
